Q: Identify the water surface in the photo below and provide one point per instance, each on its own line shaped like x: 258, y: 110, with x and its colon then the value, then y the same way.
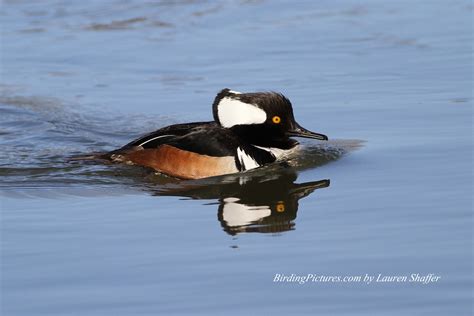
x: 389, y: 82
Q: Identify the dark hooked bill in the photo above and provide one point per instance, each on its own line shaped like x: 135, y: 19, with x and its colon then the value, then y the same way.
x: 299, y: 131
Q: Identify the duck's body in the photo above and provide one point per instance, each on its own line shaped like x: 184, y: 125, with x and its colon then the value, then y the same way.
x: 250, y: 130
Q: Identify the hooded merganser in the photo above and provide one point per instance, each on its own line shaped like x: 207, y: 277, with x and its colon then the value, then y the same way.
x: 249, y: 130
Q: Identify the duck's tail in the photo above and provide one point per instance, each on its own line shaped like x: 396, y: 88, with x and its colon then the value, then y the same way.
x: 99, y: 156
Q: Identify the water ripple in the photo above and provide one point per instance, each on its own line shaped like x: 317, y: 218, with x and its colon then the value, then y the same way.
x: 41, y: 134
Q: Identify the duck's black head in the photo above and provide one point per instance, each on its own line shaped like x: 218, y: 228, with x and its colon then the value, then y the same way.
x: 261, y: 118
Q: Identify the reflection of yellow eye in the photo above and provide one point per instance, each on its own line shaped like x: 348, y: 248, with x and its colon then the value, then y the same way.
x: 280, y: 207
x: 276, y: 119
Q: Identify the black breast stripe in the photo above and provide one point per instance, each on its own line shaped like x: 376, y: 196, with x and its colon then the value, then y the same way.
x: 260, y: 156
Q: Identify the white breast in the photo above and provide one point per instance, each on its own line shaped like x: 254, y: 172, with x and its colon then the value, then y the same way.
x: 280, y: 153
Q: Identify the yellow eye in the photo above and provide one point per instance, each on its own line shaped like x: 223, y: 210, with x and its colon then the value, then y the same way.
x: 276, y: 119
x: 280, y: 207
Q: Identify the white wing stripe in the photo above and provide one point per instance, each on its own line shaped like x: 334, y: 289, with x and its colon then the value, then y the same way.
x: 154, y: 139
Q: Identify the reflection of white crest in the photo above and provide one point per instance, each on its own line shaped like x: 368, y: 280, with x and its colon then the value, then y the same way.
x: 235, y: 112
x: 238, y: 214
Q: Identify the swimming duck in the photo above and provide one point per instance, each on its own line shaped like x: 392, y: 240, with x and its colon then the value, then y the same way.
x: 249, y: 130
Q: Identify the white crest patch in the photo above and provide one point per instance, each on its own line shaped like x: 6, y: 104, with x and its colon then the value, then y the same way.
x: 235, y: 92
x: 246, y: 161
x: 234, y: 112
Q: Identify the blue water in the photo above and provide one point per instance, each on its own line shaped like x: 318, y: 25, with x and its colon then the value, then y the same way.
x: 389, y: 82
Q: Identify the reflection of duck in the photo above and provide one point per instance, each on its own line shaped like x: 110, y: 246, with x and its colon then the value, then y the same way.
x: 253, y: 202
x: 266, y: 207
